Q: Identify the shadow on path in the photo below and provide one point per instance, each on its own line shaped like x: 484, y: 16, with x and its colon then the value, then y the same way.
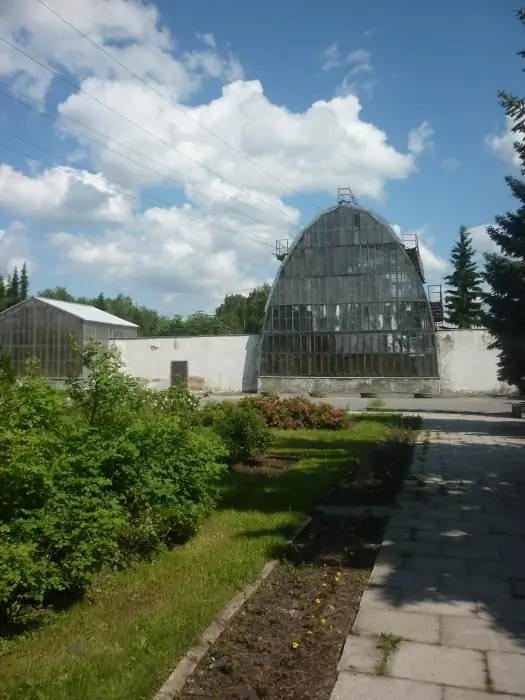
x: 455, y: 546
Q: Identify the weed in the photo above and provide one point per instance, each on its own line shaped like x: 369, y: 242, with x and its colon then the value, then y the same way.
x: 388, y: 644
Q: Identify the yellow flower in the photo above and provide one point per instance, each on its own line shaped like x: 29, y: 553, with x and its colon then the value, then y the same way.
x: 295, y: 645
x: 322, y: 621
x: 325, y: 585
x: 317, y: 601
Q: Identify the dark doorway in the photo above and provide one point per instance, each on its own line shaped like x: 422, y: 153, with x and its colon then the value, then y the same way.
x: 179, y: 372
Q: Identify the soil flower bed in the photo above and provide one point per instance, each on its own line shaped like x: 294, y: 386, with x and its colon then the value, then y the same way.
x: 287, y: 640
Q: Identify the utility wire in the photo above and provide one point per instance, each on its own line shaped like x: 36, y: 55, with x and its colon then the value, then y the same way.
x: 76, y: 86
x: 172, y: 103
x: 122, y: 193
x: 25, y: 99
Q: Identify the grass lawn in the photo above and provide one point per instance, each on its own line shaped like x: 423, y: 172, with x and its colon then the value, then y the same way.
x: 122, y: 641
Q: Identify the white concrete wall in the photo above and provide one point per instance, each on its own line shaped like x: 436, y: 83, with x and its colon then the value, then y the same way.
x: 466, y: 365
x: 227, y: 363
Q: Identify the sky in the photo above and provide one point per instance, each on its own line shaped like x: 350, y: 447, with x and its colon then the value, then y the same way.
x: 160, y: 149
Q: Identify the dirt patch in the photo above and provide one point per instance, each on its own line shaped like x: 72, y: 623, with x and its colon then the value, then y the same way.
x: 270, y: 464
x: 287, y: 640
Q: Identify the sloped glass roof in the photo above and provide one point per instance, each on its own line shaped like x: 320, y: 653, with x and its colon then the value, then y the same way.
x: 87, y: 313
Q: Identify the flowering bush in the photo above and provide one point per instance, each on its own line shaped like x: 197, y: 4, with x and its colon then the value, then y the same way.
x: 297, y: 412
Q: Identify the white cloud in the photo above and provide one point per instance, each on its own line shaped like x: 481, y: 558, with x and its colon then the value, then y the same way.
x: 99, y: 233
x: 331, y: 57
x: 284, y: 143
x: 451, y: 163
x: 207, y: 39
x: 420, y: 139
x: 359, y: 78
x: 128, y: 29
x: 14, y: 248
x: 61, y: 193
x: 433, y: 264
x: 502, y: 144
x: 170, y: 250
x: 481, y: 240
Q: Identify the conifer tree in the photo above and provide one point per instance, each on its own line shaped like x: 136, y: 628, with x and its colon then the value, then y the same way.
x: 505, y: 270
x: 13, y: 294
x: 463, y: 299
x: 3, y: 294
x: 24, y: 283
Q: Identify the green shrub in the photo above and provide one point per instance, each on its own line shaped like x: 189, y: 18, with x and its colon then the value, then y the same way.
x: 244, y: 431
x: 94, y: 477
x: 58, y: 516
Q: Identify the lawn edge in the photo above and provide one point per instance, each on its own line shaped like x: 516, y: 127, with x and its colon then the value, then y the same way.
x: 189, y: 662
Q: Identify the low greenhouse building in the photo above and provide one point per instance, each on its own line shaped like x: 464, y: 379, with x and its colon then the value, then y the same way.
x: 45, y: 328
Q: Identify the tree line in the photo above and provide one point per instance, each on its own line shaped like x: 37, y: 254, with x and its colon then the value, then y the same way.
x: 238, y: 314
x: 14, y: 288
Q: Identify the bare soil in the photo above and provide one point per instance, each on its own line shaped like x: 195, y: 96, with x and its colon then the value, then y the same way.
x: 286, y: 641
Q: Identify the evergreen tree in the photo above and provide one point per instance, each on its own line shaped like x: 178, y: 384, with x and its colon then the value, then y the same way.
x: 13, y: 292
x: 3, y: 294
x: 100, y: 302
x: 24, y: 283
x: 463, y: 300
x: 505, y: 270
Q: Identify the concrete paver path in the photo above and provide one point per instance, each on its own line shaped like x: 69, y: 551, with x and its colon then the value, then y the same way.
x: 443, y: 617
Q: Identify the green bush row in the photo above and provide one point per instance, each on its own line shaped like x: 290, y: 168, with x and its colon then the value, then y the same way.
x: 95, y: 476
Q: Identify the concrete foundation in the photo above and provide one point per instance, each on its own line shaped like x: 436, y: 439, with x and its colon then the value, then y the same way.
x: 346, y: 385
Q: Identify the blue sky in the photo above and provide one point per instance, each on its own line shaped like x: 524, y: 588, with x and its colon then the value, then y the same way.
x: 396, y: 100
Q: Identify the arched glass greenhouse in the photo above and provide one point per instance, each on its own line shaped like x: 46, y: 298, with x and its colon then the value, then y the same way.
x: 348, y: 307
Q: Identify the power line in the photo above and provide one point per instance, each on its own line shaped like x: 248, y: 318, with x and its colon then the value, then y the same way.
x: 172, y: 103
x: 24, y: 102
x: 76, y: 86
x: 120, y: 155
x: 122, y: 193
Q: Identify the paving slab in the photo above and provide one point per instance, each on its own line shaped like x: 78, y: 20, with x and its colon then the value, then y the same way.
x: 502, y: 610
x: 438, y: 564
x: 361, y: 687
x: 436, y: 604
x: 463, y: 694
x: 474, y: 586
x: 475, y: 633
x: 405, y: 579
x: 411, y: 626
x: 380, y: 599
x: 360, y: 654
x: 507, y: 672
x: 438, y: 664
